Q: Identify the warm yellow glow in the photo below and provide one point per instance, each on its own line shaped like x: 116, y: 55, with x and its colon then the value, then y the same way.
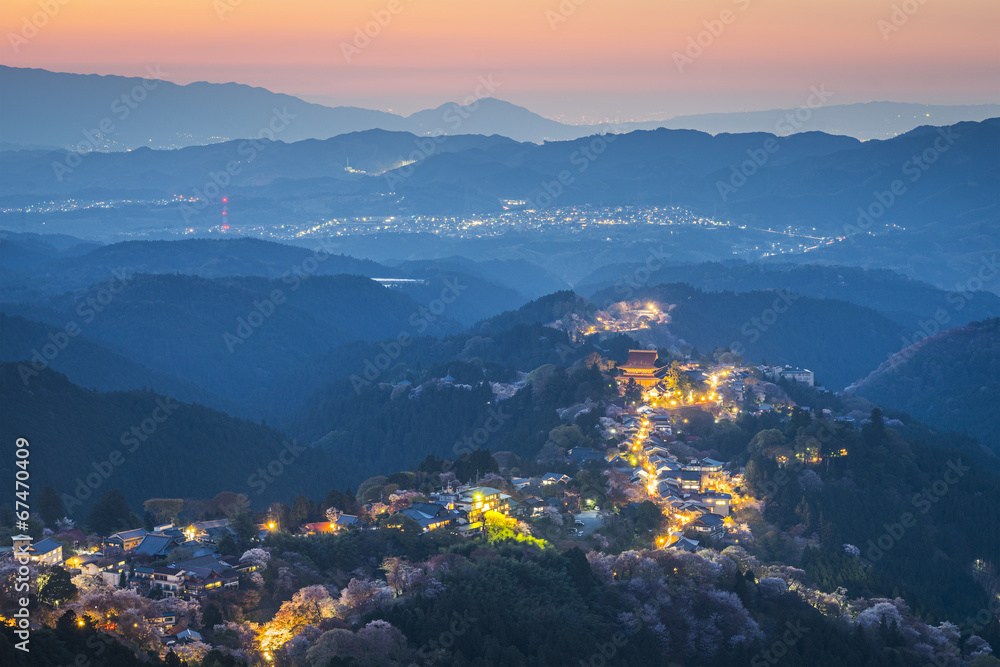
x: 271, y: 525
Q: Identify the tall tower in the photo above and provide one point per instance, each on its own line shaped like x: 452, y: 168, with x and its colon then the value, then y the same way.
x: 225, y: 214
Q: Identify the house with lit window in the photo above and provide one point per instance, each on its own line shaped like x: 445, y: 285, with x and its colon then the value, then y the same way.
x: 660, y: 465
x: 87, y: 564
x: 169, y: 580
x: 162, y: 621
x: 199, y: 582
x: 520, y: 482
x: 430, y: 516
x: 209, y: 531
x: 125, y: 540
x: 479, y: 499
x: 711, y: 524
x: 678, y: 541
x: 682, y: 481
x: 555, y: 478
x: 710, y: 471
x: 192, y: 578
x: 43, y: 552
x: 716, y: 503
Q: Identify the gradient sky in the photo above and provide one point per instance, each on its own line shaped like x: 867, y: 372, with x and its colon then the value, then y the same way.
x: 604, y: 59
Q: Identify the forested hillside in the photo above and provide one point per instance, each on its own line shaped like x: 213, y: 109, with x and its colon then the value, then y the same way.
x: 950, y: 380
x: 901, y: 299
x: 379, y: 429
x: 35, y: 346
x: 84, y: 443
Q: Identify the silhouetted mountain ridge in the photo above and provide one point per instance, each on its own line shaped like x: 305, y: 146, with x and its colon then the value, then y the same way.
x: 948, y: 380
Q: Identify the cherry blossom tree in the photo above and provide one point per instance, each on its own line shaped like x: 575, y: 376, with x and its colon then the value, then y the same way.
x: 360, y: 596
x: 256, y: 556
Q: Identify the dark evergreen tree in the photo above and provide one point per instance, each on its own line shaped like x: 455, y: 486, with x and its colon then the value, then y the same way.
x: 110, y: 514
x: 50, y: 506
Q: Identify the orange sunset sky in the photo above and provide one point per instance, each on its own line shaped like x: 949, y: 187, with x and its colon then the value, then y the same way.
x: 588, y: 59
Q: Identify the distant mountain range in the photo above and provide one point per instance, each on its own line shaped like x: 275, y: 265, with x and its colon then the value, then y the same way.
x: 87, y: 112
x: 167, y: 327
x: 941, y: 223
x: 34, y: 270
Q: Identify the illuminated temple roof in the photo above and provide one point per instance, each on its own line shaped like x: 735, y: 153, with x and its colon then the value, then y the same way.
x: 641, y: 367
x: 640, y: 360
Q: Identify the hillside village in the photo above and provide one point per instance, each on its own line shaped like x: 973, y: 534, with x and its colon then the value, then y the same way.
x: 651, y: 464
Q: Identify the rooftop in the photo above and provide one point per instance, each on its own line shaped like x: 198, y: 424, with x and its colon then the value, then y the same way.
x: 644, y: 359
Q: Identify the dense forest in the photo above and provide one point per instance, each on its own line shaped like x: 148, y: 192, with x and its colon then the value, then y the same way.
x: 35, y: 345
x: 384, y: 428
x: 948, y: 380
x: 542, y: 310
x: 146, y: 445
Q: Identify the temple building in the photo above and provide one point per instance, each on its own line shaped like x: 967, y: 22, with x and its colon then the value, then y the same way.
x: 641, y: 367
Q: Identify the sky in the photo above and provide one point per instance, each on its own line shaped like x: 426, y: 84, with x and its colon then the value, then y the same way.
x: 574, y: 60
